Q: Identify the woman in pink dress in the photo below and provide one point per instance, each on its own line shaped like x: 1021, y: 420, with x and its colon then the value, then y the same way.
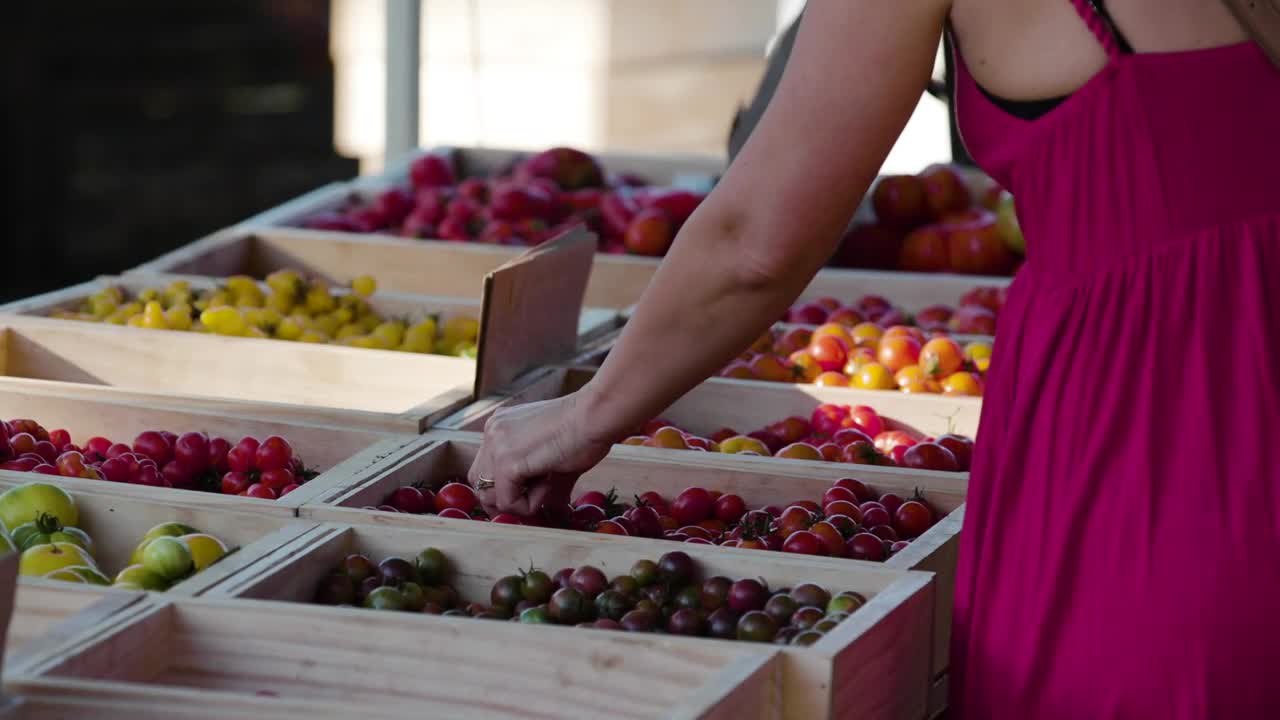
x: 1119, y: 556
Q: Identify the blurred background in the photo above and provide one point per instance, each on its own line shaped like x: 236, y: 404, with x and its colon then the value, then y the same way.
x: 135, y: 127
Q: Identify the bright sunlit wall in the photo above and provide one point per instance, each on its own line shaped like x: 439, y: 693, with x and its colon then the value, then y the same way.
x: 648, y: 75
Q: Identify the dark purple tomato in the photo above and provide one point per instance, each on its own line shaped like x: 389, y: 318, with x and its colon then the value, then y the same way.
x: 432, y: 566
x: 639, y: 621
x: 395, y: 570
x: 561, y: 578
x: 723, y: 624
x: 606, y: 624
x: 747, y: 595
x: 612, y: 605
x: 645, y: 572
x: 810, y: 595
x: 625, y: 584
x: 806, y: 617
x: 507, y: 592
x: 785, y: 635
x: 685, y: 622
x: 715, y: 592
x: 755, y: 626
x: 805, y: 638
x: 588, y: 580
x: 358, y: 567
x: 568, y: 606
x: 537, y: 587
x: 677, y: 568
x: 781, y: 607
x: 688, y: 598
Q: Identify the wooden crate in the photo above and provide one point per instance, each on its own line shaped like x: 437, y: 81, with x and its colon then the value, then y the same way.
x: 529, y: 316
x: 875, y: 664
x: 296, y: 382
x: 247, y: 659
x: 47, y: 615
x: 341, y: 454
x: 632, y: 471
x: 684, y: 170
x: 117, y: 523
x: 434, y: 271
x: 747, y: 405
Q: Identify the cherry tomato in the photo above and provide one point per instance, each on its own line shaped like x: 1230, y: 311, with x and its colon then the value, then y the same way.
x: 234, y: 483
x: 277, y: 478
x: 274, y: 452
x: 804, y: 542
x: 258, y: 490
x: 913, y: 518
x: 241, y: 457
x: 458, y: 496
x: 865, y: 546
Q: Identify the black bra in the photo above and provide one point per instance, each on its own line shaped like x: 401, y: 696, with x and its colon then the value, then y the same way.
x: 1032, y: 109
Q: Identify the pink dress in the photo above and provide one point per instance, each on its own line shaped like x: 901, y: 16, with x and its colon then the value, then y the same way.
x: 1121, y: 550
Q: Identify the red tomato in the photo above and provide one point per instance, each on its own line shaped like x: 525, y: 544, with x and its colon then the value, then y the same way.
x: 804, y: 542
x: 458, y: 496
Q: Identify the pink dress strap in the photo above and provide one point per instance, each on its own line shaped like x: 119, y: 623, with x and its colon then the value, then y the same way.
x: 1100, y: 26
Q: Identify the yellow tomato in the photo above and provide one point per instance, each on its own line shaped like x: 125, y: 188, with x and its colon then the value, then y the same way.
x: 874, y: 376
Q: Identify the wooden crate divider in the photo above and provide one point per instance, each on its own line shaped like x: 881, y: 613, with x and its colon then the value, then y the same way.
x: 408, y: 268
x: 319, y: 384
x: 632, y: 471
x: 746, y: 405
x: 343, y: 455
x: 387, y: 391
x: 48, y: 615
x: 349, y: 663
x: 117, y: 523
x: 875, y: 664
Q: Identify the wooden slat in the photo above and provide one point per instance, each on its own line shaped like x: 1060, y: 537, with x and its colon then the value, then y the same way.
x: 631, y: 471
x: 530, y: 309
x: 395, y: 391
x: 747, y: 405
x: 342, y: 455
x: 50, y: 616
x: 117, y: 523
x: 482, y: 552
x: 226, y: 652
x: 412, y: 268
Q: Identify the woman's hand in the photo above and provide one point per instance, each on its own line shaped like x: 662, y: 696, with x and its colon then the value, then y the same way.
x: 533, y: 454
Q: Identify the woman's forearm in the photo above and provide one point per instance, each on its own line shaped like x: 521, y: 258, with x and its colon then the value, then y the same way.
x: 710, y: 299
x: 778, y: 212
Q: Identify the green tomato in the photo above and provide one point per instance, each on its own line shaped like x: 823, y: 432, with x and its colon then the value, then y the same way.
x: 25, y: 503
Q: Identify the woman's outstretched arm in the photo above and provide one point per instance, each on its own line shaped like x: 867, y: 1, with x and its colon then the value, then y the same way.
x: 858, y: 69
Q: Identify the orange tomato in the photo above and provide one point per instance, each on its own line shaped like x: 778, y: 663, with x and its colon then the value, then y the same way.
x: 832, y: 379
x: 874, y: 376
x: 835, y: 330
x: 866, y: 334
x: 771, y: 368
x: 941, y: 357
x: 911, y: 379
x: 807, y: 368
x: 846, y: 316
x: 738, y: 369
x: 793, y: 340
x: 962, y: 383
x: 857, y: 359
x: 905, y: 330
x: 830, y: 352
x: 898, y: 352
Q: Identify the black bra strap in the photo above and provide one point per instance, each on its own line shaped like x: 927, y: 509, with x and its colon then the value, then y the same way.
x: 1099, y: 6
